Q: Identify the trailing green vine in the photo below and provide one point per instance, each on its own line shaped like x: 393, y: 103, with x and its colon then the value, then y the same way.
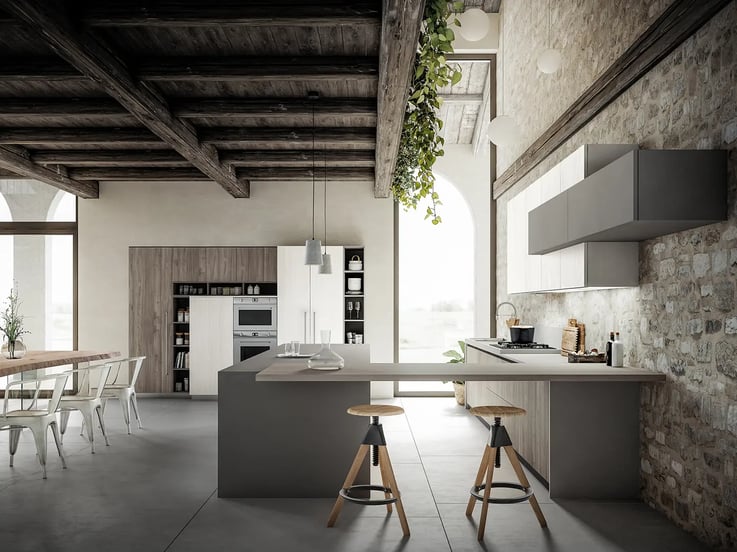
x: 421, y: 143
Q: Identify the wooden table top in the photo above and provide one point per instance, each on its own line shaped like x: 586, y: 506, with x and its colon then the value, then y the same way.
x: 35, y: 360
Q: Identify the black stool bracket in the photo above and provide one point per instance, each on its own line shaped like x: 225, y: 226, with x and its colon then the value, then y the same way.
x: 374, y: 436
x: 345, y: 493
x: 476, y: 492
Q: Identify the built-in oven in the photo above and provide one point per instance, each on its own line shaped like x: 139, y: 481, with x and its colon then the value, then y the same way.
x: 250, y: 344
x: 254, y: 314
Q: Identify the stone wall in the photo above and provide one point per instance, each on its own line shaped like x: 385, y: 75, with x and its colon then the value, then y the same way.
x: 682, y: 320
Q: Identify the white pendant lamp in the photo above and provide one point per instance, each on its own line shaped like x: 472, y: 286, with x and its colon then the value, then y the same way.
x: 474, y: 24
x: 550, y: 59
x: 503, y: 129
x: 313, y: 253
x: 326, y: 266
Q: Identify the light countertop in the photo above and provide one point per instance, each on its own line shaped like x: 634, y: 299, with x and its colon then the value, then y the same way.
x: 359, y: 368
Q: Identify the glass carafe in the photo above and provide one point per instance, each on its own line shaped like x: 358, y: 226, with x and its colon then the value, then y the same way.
x: 326, y: 358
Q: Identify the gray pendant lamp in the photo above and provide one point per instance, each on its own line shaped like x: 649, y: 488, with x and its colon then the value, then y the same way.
x: 313, y: 254
x: 325, y: 267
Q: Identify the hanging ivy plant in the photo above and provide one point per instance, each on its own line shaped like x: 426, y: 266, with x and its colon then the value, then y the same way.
x: 421, y: 143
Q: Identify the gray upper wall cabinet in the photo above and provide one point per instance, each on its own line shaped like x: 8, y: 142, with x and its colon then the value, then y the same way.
x: 641, y: 195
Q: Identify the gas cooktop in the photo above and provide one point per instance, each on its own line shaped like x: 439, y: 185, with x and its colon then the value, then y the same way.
x: 517, y: 348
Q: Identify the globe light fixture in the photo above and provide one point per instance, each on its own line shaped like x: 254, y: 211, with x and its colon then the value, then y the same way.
x: 550, y: 60
x: 474, y: 24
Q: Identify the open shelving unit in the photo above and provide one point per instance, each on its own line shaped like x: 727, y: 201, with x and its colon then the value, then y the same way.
x: 354, y: 302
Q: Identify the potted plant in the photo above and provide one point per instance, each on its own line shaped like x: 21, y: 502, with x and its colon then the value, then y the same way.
x: 11, y: 325
x: 459, y: 387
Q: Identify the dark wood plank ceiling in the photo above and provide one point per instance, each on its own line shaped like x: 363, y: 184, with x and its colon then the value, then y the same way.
x: 186, y: 89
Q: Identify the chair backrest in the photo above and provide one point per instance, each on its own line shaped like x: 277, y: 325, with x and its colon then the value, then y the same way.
x: 136, y: 368
x: 60, y: 380
x: 84, y: 377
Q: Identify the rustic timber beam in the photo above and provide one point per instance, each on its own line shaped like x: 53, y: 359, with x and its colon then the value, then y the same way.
x: 303, y: 158
x: 461, y: 98
x: 80, y: 136
x: 400, y: 33
x: 257, y: 68
x: 183, y: 174
x: 110, y: 158
x: 680, y: 20
x: 190, y: 108
x: 266, y: 137
x: 173, y: 13
x: 13, y: 161
x: 97, y: 61
x: 29, y: 68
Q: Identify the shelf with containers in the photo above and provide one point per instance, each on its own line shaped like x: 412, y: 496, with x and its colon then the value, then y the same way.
x: 354, y: 295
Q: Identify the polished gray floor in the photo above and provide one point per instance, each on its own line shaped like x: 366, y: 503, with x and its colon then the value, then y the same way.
x: 155, y: 490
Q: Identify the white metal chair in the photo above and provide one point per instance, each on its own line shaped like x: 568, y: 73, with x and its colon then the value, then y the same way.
x: 87, y: 401
x: 37, y: 420
x: 124, y: 392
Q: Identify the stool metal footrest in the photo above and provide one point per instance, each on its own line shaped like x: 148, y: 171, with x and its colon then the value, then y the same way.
x: 477, y: 490
x: 345, y: 493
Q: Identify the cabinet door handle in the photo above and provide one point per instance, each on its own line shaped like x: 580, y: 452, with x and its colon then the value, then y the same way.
x: 304, y: 326
x: 164, y: 336
x: 314, y: 324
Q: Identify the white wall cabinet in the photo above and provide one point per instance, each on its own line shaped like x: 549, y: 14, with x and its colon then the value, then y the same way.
x: 308, y: 301
x: 573, y: 267
x: 211, y: 342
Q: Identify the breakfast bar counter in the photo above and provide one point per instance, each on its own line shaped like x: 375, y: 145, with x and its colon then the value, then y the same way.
x: 284, y: 431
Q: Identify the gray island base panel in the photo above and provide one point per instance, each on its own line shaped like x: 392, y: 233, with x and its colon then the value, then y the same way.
x: 284, y: 431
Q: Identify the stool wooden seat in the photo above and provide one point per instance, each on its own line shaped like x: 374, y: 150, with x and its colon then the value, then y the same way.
x: 497, y: 411
x: 375, y: 410
x: 499, y: 439
x: 374, y: 439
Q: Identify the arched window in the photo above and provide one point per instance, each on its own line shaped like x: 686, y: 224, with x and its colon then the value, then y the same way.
x: 436, y: 283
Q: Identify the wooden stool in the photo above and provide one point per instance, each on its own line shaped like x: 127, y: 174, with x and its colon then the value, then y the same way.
x: 374, y: 439
x: 499, y: 439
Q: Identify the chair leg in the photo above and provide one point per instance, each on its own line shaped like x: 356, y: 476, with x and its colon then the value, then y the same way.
x: 384, y: 458
x: 125, y: 407
x: 386, y: 482
x: 89, y: 423
x: 512, y: 455
x: 57, y: 440
x: 13, y: 442
x: 101, y: 419
x: 39, y: 435
x: 64, y: 420
x: 134, y: 404
x: 487, y: 492
x: 479, y: 478
x: 350, y: 478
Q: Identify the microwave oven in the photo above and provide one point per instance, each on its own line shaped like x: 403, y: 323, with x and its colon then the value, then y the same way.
x: 252, y: 314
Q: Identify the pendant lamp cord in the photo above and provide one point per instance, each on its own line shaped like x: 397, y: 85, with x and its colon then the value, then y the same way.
x: 313, y: 171
x: 325, y: 197
x: 549, y: 19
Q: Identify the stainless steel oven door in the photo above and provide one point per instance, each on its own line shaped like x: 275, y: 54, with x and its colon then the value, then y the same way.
x: 245, y: 347
x: 254, y: 314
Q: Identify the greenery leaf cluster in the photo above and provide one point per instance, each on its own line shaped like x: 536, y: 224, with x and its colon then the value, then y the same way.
x: 457, y: 357
x: 11, y: 321
x: 421, y: 144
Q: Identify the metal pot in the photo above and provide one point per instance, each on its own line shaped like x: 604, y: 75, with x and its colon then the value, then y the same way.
x: 522, y: 334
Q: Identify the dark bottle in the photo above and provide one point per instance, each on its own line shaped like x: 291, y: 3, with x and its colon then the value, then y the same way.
x: 609, y: 349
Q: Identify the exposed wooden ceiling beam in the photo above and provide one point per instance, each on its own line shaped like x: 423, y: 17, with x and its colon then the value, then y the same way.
x: 79, y: 136
x: 183, y: 174
x: 32, y: 68
x: 400, y: 32
x: 461, y: 98
x: 118, y: 13
x: 97, y: 61
x: 159, y: 158
x: 244, y: 136
x: 13, y: 161
x: 257, y: 68
x: 190, y: 108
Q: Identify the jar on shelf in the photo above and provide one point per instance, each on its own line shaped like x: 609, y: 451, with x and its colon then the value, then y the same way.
x: 186, y: 338
x: 186, y: 316
x: 180, y: 315
x: 179, y: 339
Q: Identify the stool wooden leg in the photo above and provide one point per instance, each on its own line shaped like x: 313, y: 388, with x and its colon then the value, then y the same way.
x: 387, y: 483
x: 512, y: 455
x: 350, y: 478
x: 384, y: 458
x: 487, y: 491
x: 478, y: 480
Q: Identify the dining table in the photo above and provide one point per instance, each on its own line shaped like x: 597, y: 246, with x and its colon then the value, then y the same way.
x: 36, y: 360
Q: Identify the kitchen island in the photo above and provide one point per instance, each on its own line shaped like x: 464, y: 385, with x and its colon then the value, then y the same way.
x: 284, y: 431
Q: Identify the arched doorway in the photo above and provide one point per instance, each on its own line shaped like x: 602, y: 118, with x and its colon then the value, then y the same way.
x: 436, y: 291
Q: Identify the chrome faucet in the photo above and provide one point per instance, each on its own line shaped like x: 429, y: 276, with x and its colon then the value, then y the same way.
x: 514, y: 314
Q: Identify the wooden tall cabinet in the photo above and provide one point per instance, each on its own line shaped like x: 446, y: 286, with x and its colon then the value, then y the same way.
x: 150, y: 315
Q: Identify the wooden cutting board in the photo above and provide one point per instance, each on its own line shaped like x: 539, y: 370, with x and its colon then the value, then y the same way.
x: 570, y: 341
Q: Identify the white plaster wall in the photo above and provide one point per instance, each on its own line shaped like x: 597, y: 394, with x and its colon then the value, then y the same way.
x: 471, y: 175
x: 203, y: 214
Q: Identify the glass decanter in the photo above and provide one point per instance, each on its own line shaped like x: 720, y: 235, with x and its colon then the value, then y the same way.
x: 326, y: 358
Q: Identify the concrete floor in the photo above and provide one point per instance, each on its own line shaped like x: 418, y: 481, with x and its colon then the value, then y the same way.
x: 155, y: 490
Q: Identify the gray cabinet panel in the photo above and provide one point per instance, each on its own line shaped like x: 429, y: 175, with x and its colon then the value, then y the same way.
x: 547, y: 224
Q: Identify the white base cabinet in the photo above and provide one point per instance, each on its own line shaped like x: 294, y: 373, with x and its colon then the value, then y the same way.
x: 309, y: 302
x: 211, y: 342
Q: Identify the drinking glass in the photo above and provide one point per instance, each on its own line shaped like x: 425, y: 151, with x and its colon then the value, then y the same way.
x: 295, y: 348
x: 358, y: 310
x: 350, y: 310
x: 289, y: 348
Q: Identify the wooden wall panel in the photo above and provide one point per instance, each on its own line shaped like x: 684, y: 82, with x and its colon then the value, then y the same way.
x: 189, y: 264
x: 222, y: 264
x: 270, y: 264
